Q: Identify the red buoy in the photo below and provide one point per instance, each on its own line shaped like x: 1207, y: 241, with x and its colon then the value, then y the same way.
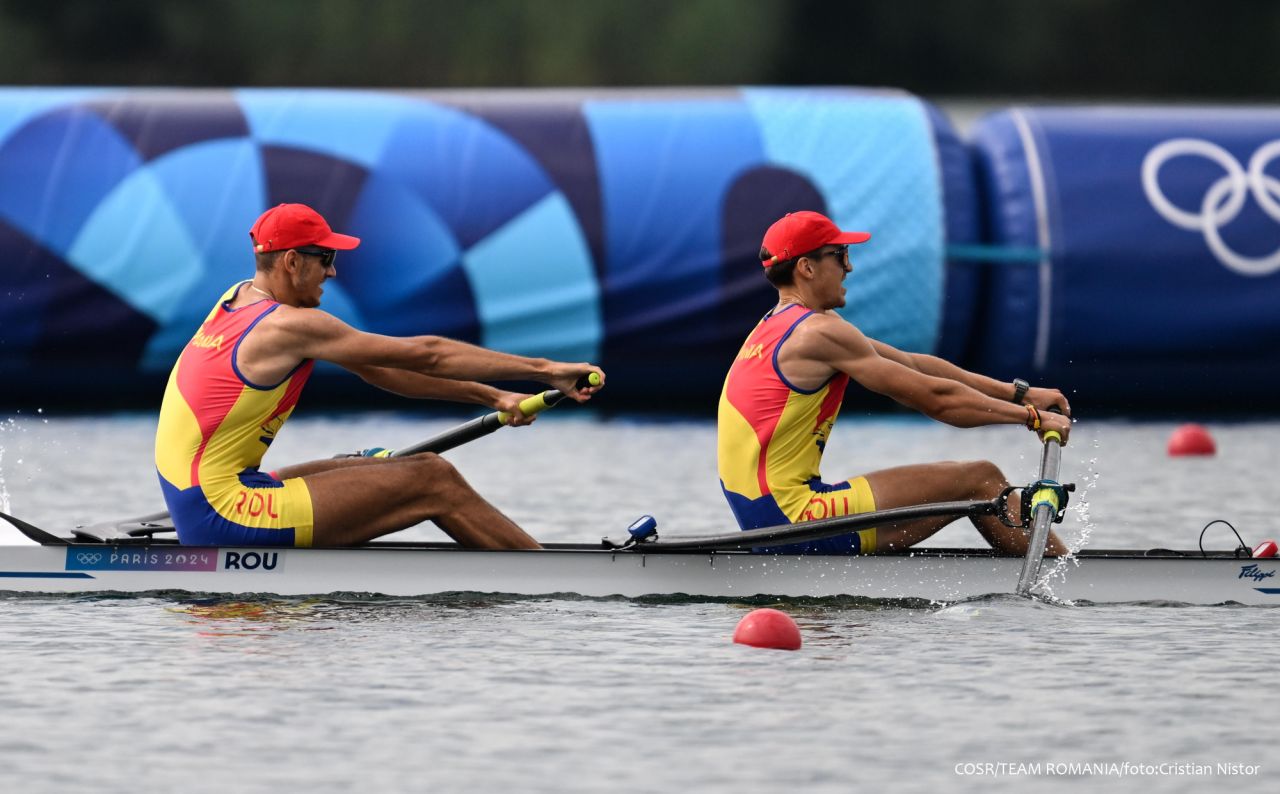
x: 1266, y: 548
x: 768, y: 628
x: 1191, y: 439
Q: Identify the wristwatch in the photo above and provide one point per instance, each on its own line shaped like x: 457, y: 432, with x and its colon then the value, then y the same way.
x: 1020, y: 387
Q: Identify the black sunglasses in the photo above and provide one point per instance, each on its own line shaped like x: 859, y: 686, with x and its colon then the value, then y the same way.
x: 327, y: 255
x: 840, y: 252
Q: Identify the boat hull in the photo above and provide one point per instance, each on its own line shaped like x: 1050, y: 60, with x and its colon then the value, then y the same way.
x: 431, y: 569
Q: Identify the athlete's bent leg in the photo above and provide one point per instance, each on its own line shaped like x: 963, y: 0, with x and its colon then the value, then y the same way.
x: 370, y: 497
x: 947, y: 482
x: 317, y: 466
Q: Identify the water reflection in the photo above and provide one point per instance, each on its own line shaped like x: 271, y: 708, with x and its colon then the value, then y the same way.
x: 222, y: 617
x: 266, y: 616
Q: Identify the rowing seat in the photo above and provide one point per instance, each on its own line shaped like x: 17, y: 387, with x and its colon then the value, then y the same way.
x: 143, y: 528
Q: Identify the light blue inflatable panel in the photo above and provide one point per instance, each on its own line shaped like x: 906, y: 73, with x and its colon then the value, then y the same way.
x: 619, y: 227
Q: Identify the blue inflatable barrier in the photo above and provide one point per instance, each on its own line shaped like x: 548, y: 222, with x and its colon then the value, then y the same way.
x: 615, y: 226
x: 964, y: 277
x: 1142, y: 253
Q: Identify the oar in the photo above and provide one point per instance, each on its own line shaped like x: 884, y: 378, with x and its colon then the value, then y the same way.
x: 484, y: 425
x: 1045, y: 503
x: 815, y: 530
x: 44, y: 538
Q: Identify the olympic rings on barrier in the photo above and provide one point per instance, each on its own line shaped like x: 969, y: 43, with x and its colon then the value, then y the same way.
x: 88, y: 557
x: 1224, y: 199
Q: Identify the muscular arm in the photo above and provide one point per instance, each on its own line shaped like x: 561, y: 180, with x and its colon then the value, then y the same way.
x: 424, y: 387
x: 318, y: 335
x: 291, y: 334
x: 415, y: 385
x: 831, y: 341
x: 941, y: 368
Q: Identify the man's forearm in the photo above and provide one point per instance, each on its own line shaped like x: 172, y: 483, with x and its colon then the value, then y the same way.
x: 941, y: 368
x: 415, y: 385
x: 449, y: 358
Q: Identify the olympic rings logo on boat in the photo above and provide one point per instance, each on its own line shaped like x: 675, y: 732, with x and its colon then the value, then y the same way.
x: 89, y: 557
x: 1224, y: 199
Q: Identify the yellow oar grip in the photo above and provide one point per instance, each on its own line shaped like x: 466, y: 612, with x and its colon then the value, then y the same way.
x: 532, y: 405
x: 1045, y: 496
x: 538, y: 402
x: 528, y: 406
x: 1052, y: 435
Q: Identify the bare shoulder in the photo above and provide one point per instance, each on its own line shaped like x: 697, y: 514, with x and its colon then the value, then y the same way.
x: 314, y: 333
x: 298, y: 332
x: 824, y: 329
x: 821, y: 345
x: 297, y: 320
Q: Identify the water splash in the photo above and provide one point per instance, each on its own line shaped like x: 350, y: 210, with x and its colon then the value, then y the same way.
x: 4, y: 490
x: 7, y: 426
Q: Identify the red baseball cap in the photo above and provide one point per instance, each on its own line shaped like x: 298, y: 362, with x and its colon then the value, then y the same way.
x: 286, y: 226
x: 798, y: 233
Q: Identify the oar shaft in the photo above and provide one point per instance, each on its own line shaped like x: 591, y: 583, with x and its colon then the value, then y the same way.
x: 480, y: 426
x: 484, y: 425
x: 1045, y: 507
x: 820, y: 529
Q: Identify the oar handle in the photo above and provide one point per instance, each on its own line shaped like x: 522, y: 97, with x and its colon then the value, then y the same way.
x: 541, y: 402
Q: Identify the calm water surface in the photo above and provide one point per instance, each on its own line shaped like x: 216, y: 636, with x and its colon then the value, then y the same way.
x: 484, y: 693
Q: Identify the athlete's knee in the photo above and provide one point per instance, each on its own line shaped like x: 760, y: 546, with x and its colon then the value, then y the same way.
x: 977, y: 478
x: 432, y: 467
x: 439, y: 480
x: 986, y: 470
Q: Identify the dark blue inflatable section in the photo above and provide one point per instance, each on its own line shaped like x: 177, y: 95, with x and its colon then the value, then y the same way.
x: 614, y: 226
x: 1150, y: 242
x: 964, y: 279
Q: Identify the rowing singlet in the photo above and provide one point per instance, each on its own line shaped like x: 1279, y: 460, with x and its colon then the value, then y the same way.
x: 771, y: 436
x: 215, y: 426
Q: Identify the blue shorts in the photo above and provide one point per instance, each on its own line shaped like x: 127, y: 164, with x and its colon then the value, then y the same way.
x: 815, y: 500
x: 252, y: 509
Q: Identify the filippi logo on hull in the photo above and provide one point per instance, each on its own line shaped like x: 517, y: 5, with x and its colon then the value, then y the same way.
x: 1255, y: 573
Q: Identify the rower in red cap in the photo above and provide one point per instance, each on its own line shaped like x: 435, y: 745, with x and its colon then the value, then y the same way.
x: 783, y: 392
x: 239, y: 378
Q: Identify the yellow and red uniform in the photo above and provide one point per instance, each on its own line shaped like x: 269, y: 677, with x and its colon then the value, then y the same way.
x: 771, y: 436
x: 215, y: 426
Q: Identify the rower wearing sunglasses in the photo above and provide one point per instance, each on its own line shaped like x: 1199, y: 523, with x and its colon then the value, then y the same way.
x: 783, y: 393
x: 237, y: 382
